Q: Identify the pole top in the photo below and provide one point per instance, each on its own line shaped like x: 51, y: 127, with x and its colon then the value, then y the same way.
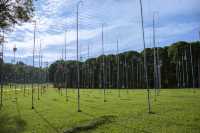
x: 14, y: 48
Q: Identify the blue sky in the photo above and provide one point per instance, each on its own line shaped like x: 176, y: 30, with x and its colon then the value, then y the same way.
x: 175, y: 20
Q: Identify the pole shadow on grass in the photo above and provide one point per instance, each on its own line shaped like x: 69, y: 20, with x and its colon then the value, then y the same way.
x: 18, y: 109
x: 12, y: 124
x: 47, y: 121
x: 87, y: 114
x: 91, y: 125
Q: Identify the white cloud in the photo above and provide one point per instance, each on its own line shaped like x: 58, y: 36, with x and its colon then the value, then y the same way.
x: 122, y: 18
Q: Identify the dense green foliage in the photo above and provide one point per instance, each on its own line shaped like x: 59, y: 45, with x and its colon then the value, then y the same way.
x: 176, y: 111
x: 175, y: 70
x: 15, y: 12
x: 21, y: 73
x: 173, y: 61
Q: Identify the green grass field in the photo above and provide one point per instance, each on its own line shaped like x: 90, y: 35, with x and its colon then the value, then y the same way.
x: 175, y: 111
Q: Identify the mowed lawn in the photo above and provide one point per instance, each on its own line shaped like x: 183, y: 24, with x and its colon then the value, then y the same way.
x: 175, y: 111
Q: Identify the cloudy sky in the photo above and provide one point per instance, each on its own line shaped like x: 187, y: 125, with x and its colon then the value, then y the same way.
x: 175, y: 20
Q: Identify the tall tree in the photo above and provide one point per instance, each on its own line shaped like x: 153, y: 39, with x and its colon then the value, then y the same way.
x: 14, y: 12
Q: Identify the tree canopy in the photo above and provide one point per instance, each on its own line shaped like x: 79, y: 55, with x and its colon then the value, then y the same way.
x: 15, y: 12
x: 174, y: 60
x: 131, y: 69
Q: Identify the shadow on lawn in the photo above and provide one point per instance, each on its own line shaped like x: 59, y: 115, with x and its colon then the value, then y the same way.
x: 45, y: 120
x: 93, y: 124
x: 87, y: 114
x: 12, y: 124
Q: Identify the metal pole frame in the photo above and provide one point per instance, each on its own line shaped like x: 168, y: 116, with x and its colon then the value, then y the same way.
x: 66, y: 93
x: 192, y: 67
x: 1, y: 72
x: 145, y: 61
x: 103, y: 65
x: 77, y: 52
x: 119, y: 90
x: 32, y: 86
x: 155, y: 60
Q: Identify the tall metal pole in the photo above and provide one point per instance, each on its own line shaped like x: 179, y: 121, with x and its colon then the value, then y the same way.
x: 133, y: 76
x: 93, y: 74
x: 88, y: 67
x: 179, y: 74
x: 183, y: 72
x: 177, y: 71
x: 32, y: 86
x: 155, y: 60
x: 77, y: 54
x: 41, y: 75
x: 137, y: 79
x: 24, y: 80
x: 66, y: 93
x: 15, y: 79
x: 91, y: 70
x: 119, y: 91
x: 62, y: 54
x: 145, y: 62
x: 186, y: 69
x: 47, y: 75
x: 109, y: 75
x: 159, y: 72
x: 103, y: 77
x: 39, y: 70
x: 1, y: 66
x: 192, y: 67
x: 126, y: 74
x: 199, y: 67
x: 141, y: 73
x: 123, y: 73
x: 198, y: 74
x: 65, y: 45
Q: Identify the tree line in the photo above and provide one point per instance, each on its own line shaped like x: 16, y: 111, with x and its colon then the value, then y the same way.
x: 21, y: 73
x: 126, y: 70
